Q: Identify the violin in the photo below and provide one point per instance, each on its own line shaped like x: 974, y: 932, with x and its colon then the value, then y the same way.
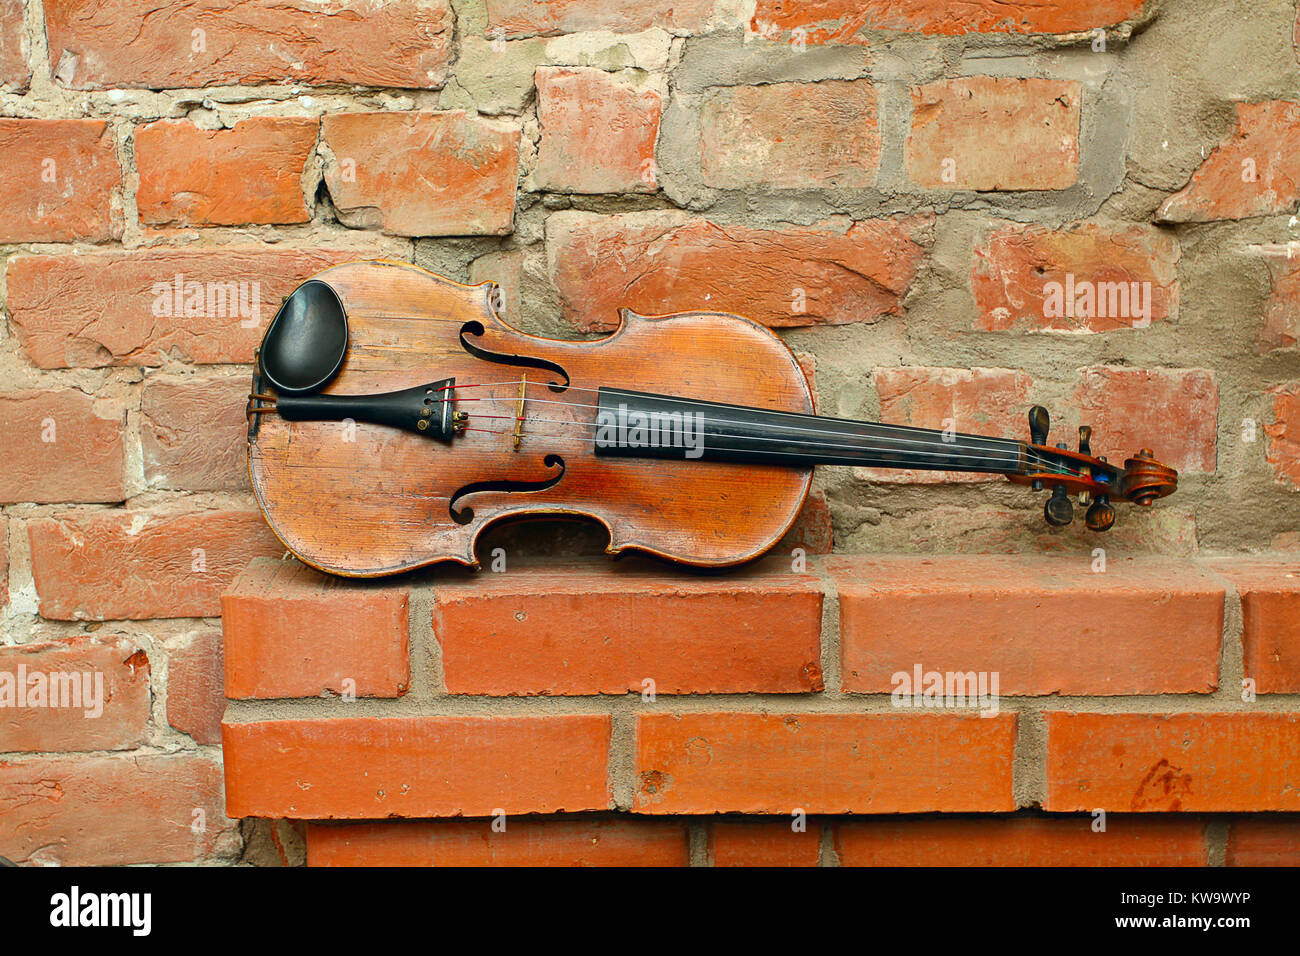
x: 394, y: 415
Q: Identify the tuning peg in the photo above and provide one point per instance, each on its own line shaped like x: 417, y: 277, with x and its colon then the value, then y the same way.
x: 1101, y: 515
x: 1057, y: 509
x: 1085, y: 448
x: 1039, y: 424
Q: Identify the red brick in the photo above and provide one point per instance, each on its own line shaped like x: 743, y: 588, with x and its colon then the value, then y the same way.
x: 1270, y: 607
x: 516, y: 18
x: 1284, y: 434
x: 422, y: 174
x: 823, y: 763
x: 291, y: 631
x: 1080, y: 278
x: 762, y: 842
x: 94, y: 695
x: 113, y: 810
x: 249, y: 173
x: 1264, y: 841
x: 61, y: 181
x: 791, y: 135
x: 1282, y: 314
x: 4, y: 562
x: 128, y: 565
x: 812, y: 529
x: 193, y: 433
x: 137, y: 43
x: 991, y: 133
x: 586, y: 841
x: 1255, y: 171
x: 196, y: 696
x: 598, y: 131
x: 598, y: 630
x: 1039, y: 623
x: 1172, y: 411
x: 981, y: 401
x: 120, y: 308
x: 660, y: 262
x: 1213, y: 762
x: 845, y: 21
x: 14, y: 71
x: 363, y: 767
x: 1022, y: 841
x: 61, y: 445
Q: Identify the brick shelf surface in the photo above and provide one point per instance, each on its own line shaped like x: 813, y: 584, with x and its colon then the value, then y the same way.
x: 578, y: 711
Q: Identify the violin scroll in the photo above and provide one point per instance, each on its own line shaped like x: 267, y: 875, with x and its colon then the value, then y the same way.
x: 1145, y: 479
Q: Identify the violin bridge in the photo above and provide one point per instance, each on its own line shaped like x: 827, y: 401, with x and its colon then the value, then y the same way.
x: 519, y: 409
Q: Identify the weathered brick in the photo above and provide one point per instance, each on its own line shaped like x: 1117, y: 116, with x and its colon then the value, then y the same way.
x: 1085, y: 277
x: 249, y: 173
x: 585, y: 841
x: 196, y: 696
x: 81, y: 693
x: 114, y: 810
x: 980, y: 401
x: 127, y: 565
x: 1172, y: 411
x: 516, y: 18
x: 61, y: 445
x: 422, y: 173
x: 1254, y: 172
x: 1284, y: 434
x: 60, y: 181
x: 1281, y: 329
x: 291, y: 631
x: 659, y: 262
x: 364, y: 767
x: 790, y: 135
x: 545, y: 631
x: 14, y: 71
x: 846, y: 21
x: 1270, y: 607
x: 812, y: 530
x: 764, y: 842
x: 137, y: 43
x: 1042, y: 625
x: 823, y: 763
x: 4, y: 562
x: 1264, y: 841
x: 993, y: 133
x: 193, y: 434
x: 144, y: 306
x: 1212, y: 762
x: 1022, y: 841
x: 598, y: 131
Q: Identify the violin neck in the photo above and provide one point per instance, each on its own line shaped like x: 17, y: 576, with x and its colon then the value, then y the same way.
x: 643, y: 425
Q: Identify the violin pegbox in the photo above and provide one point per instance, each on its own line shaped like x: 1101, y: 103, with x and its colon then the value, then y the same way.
x: 1094, y: 480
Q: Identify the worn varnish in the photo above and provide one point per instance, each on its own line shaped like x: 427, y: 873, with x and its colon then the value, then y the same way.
x: 369, y: 500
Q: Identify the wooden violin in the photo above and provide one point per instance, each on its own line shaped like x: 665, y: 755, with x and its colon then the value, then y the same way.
x: 394, y: 416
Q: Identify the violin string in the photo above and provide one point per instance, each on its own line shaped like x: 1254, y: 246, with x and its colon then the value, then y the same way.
x: 810, y: 456
x: 1002, y: 446
x: 999, y: 444
x: 693, y: 401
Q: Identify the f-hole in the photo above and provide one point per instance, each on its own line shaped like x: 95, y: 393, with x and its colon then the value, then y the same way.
x: 466, y: 515
x: 476, y: 328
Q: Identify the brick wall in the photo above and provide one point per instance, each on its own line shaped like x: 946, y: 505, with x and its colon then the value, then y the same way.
x: 895, y: 188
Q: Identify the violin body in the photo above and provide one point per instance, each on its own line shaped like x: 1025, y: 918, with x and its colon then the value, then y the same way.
x: 362, y: 500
